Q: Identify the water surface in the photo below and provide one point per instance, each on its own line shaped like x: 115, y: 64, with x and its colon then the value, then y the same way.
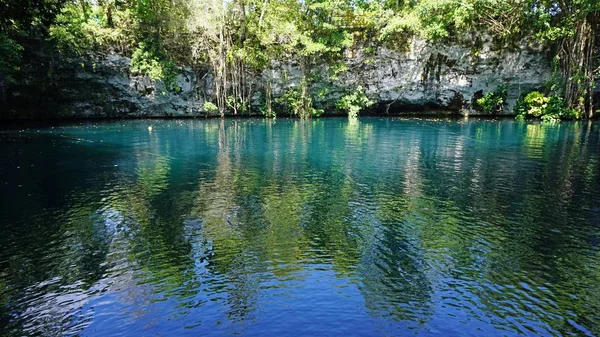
x: 376, y: 227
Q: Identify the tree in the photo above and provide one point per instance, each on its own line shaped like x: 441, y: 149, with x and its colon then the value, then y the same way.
x: 240, y: 44
x: 572, y: 27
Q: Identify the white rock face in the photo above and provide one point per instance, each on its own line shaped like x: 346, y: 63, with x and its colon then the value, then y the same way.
x: 136, y: 96
x: 439, y: 77
x: 427, y: 77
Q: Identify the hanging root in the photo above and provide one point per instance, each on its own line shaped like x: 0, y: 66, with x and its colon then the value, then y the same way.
x: 578, y: 59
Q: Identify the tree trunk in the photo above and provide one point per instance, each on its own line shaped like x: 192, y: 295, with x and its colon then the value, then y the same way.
x: 268, y: 98
x: 83, y: 5
x: 222, y: 73
x: 305, y: 99
x: 243, y: 21
x: 109, y: 17
x: 576, y: 56
x: 262, y: 13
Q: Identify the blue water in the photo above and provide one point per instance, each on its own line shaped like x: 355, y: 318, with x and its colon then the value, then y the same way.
x: 375, y: 227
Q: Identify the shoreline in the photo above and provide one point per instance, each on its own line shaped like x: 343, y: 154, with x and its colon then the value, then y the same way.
x: 50, y: 122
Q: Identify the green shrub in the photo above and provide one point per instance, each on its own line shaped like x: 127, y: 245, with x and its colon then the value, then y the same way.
x: 147, y: 61
x: 236, y: 103
x: 548, y: 108
x: 534, y: 104
x: 293, y: 101
x: 354, y: 102
x: 70, y: 33
x: 10, y: 60
x: 492, y: 101
x: 210, y: 107
x: 290, y: 100
x: 77, y: 33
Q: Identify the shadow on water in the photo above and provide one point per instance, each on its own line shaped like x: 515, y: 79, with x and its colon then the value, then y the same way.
x: 373, y: 226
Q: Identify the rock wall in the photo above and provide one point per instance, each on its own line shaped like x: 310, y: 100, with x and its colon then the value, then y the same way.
x: 433, y: 78
x: 451, y: 77
x: 97, y: 86
x: 425, y: 78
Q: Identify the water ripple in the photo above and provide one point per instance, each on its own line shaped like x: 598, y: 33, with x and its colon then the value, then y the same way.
x: 325, y: 227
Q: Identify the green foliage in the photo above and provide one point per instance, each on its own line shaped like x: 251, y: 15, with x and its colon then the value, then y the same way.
x: 293, y: 102
x: 492, y: 102
x: 432, y: 19
x: 236, y: 104
x: 407, y: 25
x: 354, y: 102
x: 77, y: 32
x: 10, y: 60
x: 552, y: 21
x: 440, y: 18
x: 242, y: 40
x: 534, y: 104
x: 437, y: 20
x: 210, y: 107
x: 265, y: 111
x: 28, y: 17
x: 114, y: 33
x: 70, y: 34
x: 548, y: 108
x: 148, y: 61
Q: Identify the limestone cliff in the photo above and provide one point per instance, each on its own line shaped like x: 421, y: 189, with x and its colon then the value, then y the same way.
x: 426, y: 77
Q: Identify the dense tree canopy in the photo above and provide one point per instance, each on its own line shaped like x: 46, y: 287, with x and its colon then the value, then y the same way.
x: 238, y: 40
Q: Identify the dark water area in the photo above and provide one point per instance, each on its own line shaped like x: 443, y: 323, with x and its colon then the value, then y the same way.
x: 375, y: 227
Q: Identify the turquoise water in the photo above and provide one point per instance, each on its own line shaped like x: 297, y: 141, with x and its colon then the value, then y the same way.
x: 376, y: 227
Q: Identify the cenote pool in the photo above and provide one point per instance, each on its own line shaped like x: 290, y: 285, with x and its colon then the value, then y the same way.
x: 375, y: 227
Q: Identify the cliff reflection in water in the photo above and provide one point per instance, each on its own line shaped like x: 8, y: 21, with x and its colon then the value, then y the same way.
x: 371, y: 226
